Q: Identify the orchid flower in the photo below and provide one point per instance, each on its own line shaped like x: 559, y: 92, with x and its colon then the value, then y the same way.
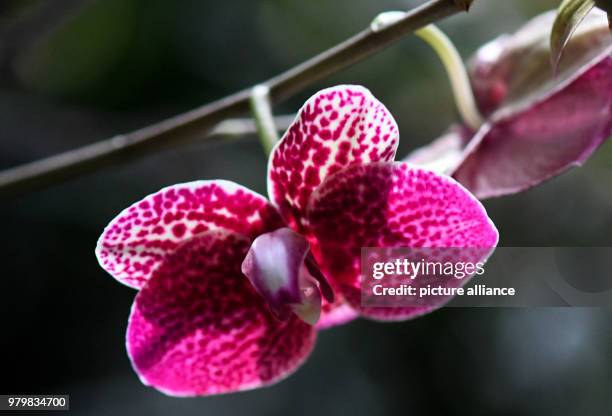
x: 538, y: 123
x: 233, y: 287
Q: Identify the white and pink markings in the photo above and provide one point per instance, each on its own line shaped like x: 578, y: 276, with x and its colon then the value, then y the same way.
x: 233, y: 287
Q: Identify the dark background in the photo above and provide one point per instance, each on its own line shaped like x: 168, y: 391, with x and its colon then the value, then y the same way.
x: 115, y: 65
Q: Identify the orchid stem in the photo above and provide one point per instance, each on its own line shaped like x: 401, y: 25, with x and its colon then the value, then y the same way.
x: 264, y: 119
x: 196, y: 124
x: 457, y: 74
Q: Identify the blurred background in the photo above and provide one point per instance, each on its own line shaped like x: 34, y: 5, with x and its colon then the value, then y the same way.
x: 74, y: 72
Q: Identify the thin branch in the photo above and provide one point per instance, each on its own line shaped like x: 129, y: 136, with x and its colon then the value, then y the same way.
x: 242, y: 126
x: 197, y: 123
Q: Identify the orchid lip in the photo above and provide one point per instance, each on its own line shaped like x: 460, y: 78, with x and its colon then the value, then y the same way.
x: 282, y: 270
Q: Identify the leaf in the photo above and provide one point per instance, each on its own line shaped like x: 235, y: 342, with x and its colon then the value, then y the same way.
x: 569, y: 16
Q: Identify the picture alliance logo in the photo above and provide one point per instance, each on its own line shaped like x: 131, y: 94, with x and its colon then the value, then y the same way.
x: 422, y: 292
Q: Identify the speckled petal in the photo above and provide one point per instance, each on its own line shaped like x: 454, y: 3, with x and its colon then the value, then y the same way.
x: 198, y: 327
x: 390, y: 205
x: 337, y: 127
x: 134, y: 243
x: 518, y: 150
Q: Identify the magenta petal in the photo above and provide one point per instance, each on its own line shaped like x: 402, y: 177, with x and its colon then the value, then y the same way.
x: 336, y: 127
x: 276, y: 267
x: 518, y: 150
x: 339, y: 312
x: 515, y: 70
x: 390, y: 205
x: 134, y: 243
x: 538, y: 125
x: 198, y: 327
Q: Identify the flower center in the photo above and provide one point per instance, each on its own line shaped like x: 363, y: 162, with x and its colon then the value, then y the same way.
x: 282, y: 270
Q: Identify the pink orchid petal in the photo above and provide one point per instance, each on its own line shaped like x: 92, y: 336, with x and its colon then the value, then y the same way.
x: 390, y: 205
x: 136, y: 242
x: 198, y: 327
x: 336, y: 127
x: 515, y: 70
x: 337, y: 313
x: 276, y: 267
x: 540, y: 124
x: 521, y: 149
